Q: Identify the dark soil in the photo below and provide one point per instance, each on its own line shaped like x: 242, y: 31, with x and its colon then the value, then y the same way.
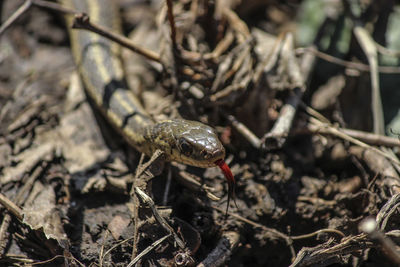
x: 305, y: 183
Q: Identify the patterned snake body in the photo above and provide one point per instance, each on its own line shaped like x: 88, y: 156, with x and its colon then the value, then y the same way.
x: 101, y: 71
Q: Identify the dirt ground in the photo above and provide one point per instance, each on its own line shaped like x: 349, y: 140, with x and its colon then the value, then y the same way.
x: 303, y: 94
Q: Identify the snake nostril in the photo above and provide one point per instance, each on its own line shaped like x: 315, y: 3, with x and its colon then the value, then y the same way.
x: 205, y: 154
x: 214, y: 154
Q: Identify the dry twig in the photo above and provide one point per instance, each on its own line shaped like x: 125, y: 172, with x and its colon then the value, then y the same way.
x: 369, y: 227
x: 344, y: 63
x: 299, y: 74
x: 11, y: 207
x: 20, y: 11
x: 147, y: 250
x: 221, y: 253
x: 369, y: 48
x: 82, y: 21
x: 150, y: 203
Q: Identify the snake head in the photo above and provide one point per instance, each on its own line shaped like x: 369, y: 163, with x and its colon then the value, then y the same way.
x: 193, y: 143
x: 189, y: 142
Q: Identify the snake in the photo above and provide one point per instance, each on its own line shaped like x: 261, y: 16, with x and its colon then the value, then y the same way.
x: 100, y: 68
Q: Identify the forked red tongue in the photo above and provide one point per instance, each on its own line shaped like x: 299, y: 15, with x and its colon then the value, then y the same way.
x: 231, y: 182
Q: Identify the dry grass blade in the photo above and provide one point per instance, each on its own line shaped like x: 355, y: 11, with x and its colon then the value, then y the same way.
x: 369, y: 48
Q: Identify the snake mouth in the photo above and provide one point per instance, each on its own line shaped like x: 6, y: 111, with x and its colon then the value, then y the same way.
x: 210, y: 159
x: 231, y: 182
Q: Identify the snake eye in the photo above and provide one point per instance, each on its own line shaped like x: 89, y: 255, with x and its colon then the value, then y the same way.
x: 185, y: 147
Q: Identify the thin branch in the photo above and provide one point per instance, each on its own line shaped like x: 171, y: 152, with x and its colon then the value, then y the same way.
x: 275, y: 233
x: 369, y: 138
x: 172, y: 24
x: 82, y: 21
x: 112, y: 248
x: 367, y: 45
x: 221, y: 253
x: 11, y: 207
x: 369, y: 226
x: 150, y: 203
x: 189, y: 180
x: 299, y: 73
x: 324, y: 127
x: 345, y: 63
x: 147, y: 250
x: 246, y: 132
x: 4, y: 233
x: 53, y: 6
x: 298, y: 237
x: 324, y: 254
x: 320, y: 124
x: 21, y: 10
